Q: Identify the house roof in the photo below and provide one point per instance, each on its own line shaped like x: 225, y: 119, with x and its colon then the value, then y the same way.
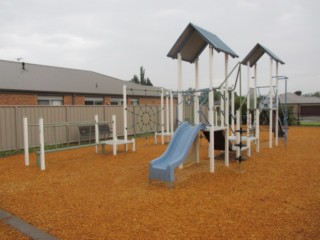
x: 41, y: 78
x: 295, y: 99
x: 256, y: 53
x: 194, y: 40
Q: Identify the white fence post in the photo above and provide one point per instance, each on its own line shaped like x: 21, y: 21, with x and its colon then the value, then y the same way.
x: 41, y: 137
x: 26, y: 141
x: 162, y: 117
x: 96, y: 128
x: 171, y: 113
x: 114, y: 135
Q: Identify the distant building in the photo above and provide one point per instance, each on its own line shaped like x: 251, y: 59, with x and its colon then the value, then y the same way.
x: 302, y: 106
x: 32, y: 84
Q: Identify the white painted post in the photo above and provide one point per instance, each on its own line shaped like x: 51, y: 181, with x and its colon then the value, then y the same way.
x: 226, y: 111
x: 233, y: 113
x: 114, y: 135
x: 270, y: 103
x: 133, y: 144
x: 162, y: 117
x: 211, y: 110
x: 196, y: 117
x: 257, y: 130
x: 167, y: 114
x: 255, y: 86
x: 125, y: 116
x: 248, y: 98
x: 96, y: 130
x: 257, y: 117
x: 26, y: 141
x: 196, y: 96
x: 238, y: 133
x: 277, y: 108
x: 180, y: 100
x: 41, y: 137
x: 171, y: 113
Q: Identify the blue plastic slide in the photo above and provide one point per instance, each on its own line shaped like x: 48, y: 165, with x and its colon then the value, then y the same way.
x: 162, y: 168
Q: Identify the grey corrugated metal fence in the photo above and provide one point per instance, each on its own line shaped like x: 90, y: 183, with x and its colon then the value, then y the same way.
x: 140, y: 119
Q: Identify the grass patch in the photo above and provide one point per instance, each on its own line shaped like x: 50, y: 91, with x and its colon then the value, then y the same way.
x: 14, y: 152
x: 314, y: 124
x: 9, y: 153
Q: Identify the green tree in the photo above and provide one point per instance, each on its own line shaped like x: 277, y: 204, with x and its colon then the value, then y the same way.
x: 135, y: 79
x: 149, y: 83
x: 315, y: 94
x: 142, y: 80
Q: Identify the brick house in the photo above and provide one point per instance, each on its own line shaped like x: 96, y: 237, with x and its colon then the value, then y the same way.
x: 302, y: 107
x: 32, y: 84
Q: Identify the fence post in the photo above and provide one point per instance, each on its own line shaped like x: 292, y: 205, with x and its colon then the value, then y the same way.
x: 171, y: 112
x: 18, y: 146
x: 162, y: 117
x: 41, y: 137
x: 114, y: 135
x: 96, y: 128
x: 26, y: 141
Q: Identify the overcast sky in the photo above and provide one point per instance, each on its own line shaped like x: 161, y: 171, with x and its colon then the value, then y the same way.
x: 116, y: 37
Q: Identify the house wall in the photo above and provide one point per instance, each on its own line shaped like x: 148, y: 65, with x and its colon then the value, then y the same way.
x: 18, y: 99
x: 303, y: 111
x: 107, y: 100
x: 150, y: 100
x: 31, y: 99
x: 67, y: 100
x: 79, y: 100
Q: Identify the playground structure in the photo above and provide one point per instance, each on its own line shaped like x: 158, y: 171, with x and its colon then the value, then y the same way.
x: 188, y: 48
x: 145, y: 119
x: 145, y: 114
x: 114, y: 142
x: 270, y: 102
x: 222, y: 131
x: 279, y: 125
x: 169, y: 117
x: 185, y: 136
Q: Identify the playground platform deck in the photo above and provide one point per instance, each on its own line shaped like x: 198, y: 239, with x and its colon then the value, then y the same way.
x: 84, y: 195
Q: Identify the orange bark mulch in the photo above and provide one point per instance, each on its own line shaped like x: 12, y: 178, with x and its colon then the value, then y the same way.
x: 84, y: 195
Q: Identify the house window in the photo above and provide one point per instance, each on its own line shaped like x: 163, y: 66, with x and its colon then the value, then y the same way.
x: 134, y: 102
x: 93, y: 101
x: 50, y: 100
x: 116, y: 101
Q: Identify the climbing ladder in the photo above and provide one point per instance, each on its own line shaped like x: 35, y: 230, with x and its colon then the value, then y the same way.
x: 264, y: 105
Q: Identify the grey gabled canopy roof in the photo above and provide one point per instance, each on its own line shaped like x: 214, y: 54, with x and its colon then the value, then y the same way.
x: 194, y: 40
x: 256, y: 53
x: 48, y: 79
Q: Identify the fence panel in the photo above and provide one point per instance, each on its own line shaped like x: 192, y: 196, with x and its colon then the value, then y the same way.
x: 118, y: 111
x: 8, y: 136
x: 50, y: 115
x: 140, y: 119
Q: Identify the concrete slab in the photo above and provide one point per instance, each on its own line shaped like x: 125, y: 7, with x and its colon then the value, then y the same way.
x: 25, y: 228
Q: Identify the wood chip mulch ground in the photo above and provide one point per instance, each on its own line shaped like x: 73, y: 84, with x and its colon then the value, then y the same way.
x: 84, y: 195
